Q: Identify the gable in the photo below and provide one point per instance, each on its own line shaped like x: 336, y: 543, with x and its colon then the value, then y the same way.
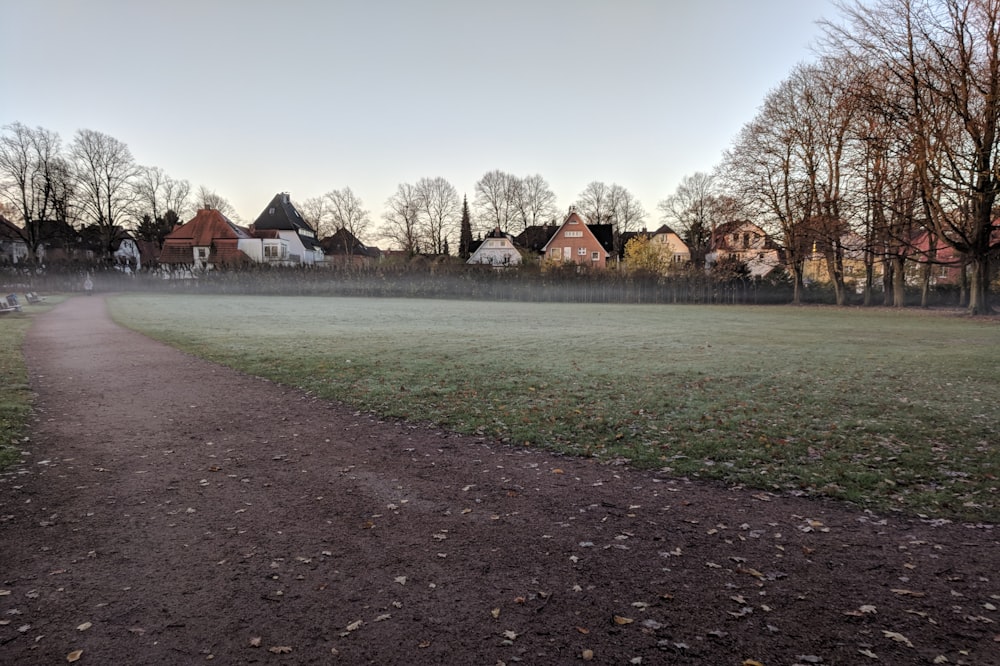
x: 282, y: 215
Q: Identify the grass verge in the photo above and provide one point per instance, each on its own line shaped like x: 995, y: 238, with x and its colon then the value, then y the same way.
x: 891, y: 410
x: 15, y: 394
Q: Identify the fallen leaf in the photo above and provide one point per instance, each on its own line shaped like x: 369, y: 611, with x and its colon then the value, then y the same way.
x: 495, y: 613
x: 255, y: 642
x: 583, y: 630
x: 353, y: 626
x: 899, y: 638
x: 587, y: 655
x: 424, y: 644
x: 84, y: 626
x: 280, y: 649
x: 4, y: 593
x: 752, y: 662
x: 907, y: 593
x: 400, y: 579
x: 619, y: 620
x: 74, y: 656
x: 383, y: 617
x: 750, y: 571
x: 869, y: 654
x: 557, y: 471
x: 510, y: 635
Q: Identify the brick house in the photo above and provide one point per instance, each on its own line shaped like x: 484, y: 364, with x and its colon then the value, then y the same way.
x: 580, y: 243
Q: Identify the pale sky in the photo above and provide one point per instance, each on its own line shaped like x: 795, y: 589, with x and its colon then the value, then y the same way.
x: 251, y: 98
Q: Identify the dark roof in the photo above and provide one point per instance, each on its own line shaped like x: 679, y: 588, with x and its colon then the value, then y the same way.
x: 605, y: 235
x: 281, y: 214
x: 664, y: 229
x: 535, y: 237
x: 343, y: 242
x: 8, y: 231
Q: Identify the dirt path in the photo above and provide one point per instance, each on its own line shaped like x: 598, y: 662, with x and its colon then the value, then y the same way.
x: 170, y: 511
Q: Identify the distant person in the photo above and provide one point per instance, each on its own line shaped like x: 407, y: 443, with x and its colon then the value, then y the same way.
x: 88, y: 285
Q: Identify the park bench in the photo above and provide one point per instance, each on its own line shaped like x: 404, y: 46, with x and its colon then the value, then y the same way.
x: 33, y: 298
x: 10, y: 304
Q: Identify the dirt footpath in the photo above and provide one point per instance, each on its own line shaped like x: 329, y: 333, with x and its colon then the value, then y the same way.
x: 171, y: 511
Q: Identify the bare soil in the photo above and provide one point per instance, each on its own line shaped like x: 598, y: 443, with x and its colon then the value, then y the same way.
x: 172, y: 511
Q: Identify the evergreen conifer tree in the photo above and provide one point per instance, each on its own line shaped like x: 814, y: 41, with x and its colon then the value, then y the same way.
x: 465, y: 236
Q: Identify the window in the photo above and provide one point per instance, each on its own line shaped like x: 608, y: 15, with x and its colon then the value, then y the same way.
x: 595, y: 256
x: 270, y: 251
x: 746, y: 240
x: 582, y: 251
x: 574, y: 234
x: 203, y: 253
x: 555, y: 252
x: 573, y: 222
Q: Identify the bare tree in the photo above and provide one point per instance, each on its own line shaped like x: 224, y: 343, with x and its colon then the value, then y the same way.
x: 104, y: 169
x: 347, y: 213
x: 497, y: 194
x: 439, y: 212
x: 535, y: 204
x: 210, y: 199
x: 627, y: 213
x: 944, y: 56
x: 33, y: 180
x: 594, y: 203
x: 693, y: 211
x: 316, y: 211
x: 763, y: 171
x: 402, y: 219
x: 160, y: 202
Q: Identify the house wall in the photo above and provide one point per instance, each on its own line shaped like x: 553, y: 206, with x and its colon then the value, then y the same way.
x: 574, y: 242
x: 496, y: 252
x: 672, y: 244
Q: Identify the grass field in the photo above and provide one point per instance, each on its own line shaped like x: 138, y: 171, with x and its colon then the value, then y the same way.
x: 886, y: 409
x: 15, y: 394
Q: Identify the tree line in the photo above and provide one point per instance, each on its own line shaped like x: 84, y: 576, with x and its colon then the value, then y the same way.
x: 892, y: 134
x: 96, y: 182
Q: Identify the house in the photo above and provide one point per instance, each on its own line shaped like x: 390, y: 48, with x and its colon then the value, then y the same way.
x: 580, y: 243
x: 667, y: 241
x: 280, y: 219
x: 344, y: 249
x: 852, y: 249
x: 747, y: 243
x: 496, y: 249
x: 61, y: 243
x: 13, y: 249
x: 210, y: 239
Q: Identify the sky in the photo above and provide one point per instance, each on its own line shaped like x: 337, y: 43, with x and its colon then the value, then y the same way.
x: 250, y: 98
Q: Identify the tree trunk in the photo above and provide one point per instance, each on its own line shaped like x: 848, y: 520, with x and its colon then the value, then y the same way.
x: 898, y: 282
x: 978, y: 286
x: 869, y: 281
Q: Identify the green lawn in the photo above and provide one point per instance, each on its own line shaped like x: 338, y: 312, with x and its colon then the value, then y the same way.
x: 886, y: 409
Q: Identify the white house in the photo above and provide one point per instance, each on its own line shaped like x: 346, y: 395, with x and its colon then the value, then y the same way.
x: 496, y: 250
x: 284, y: 221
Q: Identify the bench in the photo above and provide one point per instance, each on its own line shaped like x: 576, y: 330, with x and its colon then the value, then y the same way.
x: 10, y: 304
x: 33, y: 298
